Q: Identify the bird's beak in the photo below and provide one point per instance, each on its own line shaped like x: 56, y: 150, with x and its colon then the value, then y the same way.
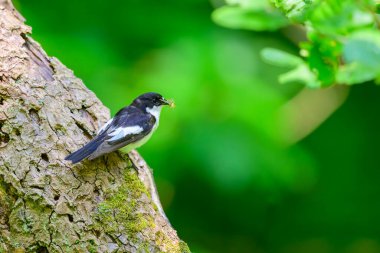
x: 168, y: 102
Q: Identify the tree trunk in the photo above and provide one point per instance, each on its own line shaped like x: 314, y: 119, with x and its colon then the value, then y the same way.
x: 46, y: 204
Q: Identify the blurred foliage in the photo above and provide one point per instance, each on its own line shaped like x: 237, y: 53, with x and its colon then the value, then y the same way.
x: 228, y: 178
x: 256, y: 15
x: 342, y: 45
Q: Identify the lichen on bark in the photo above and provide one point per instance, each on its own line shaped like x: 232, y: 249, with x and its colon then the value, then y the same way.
x: 46, y: 204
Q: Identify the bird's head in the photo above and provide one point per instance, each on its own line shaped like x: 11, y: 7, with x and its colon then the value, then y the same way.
x: 151, y: 100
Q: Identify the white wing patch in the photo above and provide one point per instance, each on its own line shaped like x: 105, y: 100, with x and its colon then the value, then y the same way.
x: 105, y: 126
x: 121, y: 132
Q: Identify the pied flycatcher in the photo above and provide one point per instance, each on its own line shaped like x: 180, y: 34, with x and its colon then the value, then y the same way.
x: 131, y: 127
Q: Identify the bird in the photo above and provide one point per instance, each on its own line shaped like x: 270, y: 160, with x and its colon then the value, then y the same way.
x: 130, y: 128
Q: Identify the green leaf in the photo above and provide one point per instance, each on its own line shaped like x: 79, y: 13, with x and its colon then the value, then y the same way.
x: 364, y: 47
x: 280, y: 58
x: 337, y: 17
x: 301, y: 74
x: 323, y: 55
x: 361, y: 54
x: 354, y: 73
x: 256, y: 4
x: 249, y: 18
x: 294, y: 9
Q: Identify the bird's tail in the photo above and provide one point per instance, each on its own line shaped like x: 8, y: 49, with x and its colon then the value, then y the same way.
x: 85, y: 151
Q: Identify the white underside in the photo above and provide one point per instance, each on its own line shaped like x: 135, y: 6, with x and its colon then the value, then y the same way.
x: 137, y: 144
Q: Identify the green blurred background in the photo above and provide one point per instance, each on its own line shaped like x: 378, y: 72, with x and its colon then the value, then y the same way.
x: 226, y: 180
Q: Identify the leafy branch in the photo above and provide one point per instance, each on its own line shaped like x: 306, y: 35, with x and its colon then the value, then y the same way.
x: 343, y: 39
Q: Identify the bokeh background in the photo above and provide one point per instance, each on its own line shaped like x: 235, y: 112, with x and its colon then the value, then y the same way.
x: 228, y: 178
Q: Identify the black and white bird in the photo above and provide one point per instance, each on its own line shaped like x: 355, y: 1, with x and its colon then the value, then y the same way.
x: 131, y: 127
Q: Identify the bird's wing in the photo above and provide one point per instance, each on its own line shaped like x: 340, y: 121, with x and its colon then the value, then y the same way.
x: 127, y: 127
x: 123, y: 113
x: 105, y: 127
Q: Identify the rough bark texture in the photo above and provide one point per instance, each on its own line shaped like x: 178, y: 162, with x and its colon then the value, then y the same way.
x: 47, y: 204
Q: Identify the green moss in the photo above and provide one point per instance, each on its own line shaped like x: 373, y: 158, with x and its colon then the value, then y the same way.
x: 92, y: 248
x: 163, y: 241
x: 60, y: 128
x: 2, y: 247
x: 6, y: 205
x: 19, y: 250
x: 5, y: 199
x: 119, y: 212
x: 184, y: 248
x: 29, y: 220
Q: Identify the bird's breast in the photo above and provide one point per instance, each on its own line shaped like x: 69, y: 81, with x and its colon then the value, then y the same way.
x: 140, y: 142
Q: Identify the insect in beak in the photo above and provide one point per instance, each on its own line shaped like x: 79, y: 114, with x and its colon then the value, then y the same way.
x: 169, y: 102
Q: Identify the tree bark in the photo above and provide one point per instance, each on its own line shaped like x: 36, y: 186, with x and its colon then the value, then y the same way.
x: 46, y: 204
